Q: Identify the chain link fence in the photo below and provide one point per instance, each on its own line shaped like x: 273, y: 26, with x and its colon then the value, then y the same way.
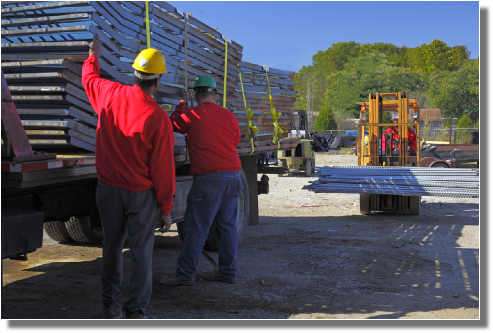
x: 452, y: 135
x: 336, y: 132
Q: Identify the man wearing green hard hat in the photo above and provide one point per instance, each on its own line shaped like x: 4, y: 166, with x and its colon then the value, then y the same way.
x: 212, y: 133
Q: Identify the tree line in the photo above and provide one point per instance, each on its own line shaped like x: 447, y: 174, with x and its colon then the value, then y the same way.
x: 438, y: 76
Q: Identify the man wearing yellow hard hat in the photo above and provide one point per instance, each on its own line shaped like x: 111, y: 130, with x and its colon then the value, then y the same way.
x: 136, y: 174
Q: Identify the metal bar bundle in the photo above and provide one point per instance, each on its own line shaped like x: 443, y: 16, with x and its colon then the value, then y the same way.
x: 44, y: 44
x: 415, y: 181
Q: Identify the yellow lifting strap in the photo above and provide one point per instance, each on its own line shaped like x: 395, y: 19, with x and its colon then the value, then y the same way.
x: 148, y: 30
x: 225, y: 70
x: 252, y: 130
x: 275, y: 116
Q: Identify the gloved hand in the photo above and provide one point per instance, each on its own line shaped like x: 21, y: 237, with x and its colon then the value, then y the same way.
x: 181, y: 107
x: 165, y: 223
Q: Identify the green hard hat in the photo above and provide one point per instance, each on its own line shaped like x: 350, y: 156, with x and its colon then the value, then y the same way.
x: 205, y: 81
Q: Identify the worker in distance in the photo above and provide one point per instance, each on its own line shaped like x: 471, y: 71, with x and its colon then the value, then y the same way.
x: 393, y: 133
x: 212, y: 133
x: 136, y: 174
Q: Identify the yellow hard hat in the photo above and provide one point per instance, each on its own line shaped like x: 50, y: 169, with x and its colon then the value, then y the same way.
x: 150, y: 61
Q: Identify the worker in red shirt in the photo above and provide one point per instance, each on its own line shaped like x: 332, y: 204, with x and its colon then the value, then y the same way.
x: 212, y: 133
x: 393, y: 132
x: 136, y: 174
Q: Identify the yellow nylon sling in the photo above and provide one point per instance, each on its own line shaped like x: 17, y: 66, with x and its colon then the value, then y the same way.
x: 252, y: 130
x: 148, y: 32
x: 225, y: 70
x: 275, y: 116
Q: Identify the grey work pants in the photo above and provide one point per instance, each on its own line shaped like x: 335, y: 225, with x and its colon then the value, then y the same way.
x: 134, y: 214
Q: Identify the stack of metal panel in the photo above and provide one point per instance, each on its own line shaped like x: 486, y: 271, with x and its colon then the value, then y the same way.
x: 44, y: 44
x: 256, y: 89
x: 415, y: 181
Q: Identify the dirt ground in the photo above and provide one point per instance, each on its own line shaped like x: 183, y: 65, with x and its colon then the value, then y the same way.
x: 311, y: 256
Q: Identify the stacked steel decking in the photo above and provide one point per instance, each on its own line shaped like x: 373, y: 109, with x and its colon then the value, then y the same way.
x: 256, y: 86
x: 45, y: 43
x: 415, y: 181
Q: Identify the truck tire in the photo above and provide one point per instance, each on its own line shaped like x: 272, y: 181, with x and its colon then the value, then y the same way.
x: 440, y: 165
x: 57, y: 231
x: 80, y: 230
x: 241, y: 222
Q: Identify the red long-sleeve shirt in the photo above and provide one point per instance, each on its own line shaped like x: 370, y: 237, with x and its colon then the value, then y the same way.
x: 394, y: 132
x: 213, y: 133
x: 134, y: 138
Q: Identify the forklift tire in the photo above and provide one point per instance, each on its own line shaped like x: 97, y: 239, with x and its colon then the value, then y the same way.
x: 80, y: 230
x: 364, y: 204
x: 414, y: 205
x: 241, y: 222
x: 308, y: 168
x: 57, y: 231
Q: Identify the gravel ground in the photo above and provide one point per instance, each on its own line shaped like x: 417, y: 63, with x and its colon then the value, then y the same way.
x: 311, y: 256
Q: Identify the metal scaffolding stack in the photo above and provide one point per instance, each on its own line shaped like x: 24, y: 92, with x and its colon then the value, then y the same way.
x: 45, y: 43
x: 416, y: 181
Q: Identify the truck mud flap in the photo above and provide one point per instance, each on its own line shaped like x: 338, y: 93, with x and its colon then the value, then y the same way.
x: 22, y: 232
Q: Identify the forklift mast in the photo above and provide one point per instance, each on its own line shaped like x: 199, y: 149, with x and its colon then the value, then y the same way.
x: 299, y: 124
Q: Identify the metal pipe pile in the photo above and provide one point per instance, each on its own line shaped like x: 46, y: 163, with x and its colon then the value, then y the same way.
x: 45, y: 43
x: 415, y: 181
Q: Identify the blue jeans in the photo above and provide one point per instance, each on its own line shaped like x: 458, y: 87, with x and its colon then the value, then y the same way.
x: 212, y: 196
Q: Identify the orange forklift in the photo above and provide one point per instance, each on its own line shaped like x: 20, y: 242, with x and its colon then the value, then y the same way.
x: 395, y: 153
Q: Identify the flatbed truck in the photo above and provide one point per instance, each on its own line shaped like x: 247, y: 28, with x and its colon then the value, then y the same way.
x: 56, y: 193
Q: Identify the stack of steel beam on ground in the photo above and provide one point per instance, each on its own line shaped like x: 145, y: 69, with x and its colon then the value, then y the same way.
x: 414, y: 181
x: 45, y: 43
x: 256, y: 90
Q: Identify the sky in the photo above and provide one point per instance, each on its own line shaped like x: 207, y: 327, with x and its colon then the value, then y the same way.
x: 286, y: 34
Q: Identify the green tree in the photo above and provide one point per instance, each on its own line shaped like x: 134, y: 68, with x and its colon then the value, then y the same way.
x: 325, y: 120
x: 347, y: 71
x: 464, y: 122
x: 454, y: 92
x: 365, y: 74
x: 335, y: 57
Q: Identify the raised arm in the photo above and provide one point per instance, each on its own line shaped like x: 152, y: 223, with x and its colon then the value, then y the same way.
x: 97, y: 89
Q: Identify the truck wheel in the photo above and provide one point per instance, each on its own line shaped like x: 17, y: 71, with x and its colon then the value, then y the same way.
x: 57, y: 231
x: 440, y: 165
x: 80, y: 230
x: 241, y: 220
